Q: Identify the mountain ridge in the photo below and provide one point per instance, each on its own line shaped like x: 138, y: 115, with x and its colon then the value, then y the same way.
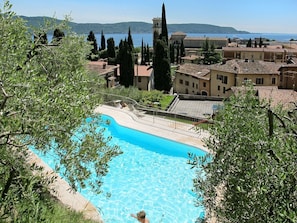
x: 135, y: 26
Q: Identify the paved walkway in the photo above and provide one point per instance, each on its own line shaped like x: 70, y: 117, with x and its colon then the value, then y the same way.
x: 170, y: 129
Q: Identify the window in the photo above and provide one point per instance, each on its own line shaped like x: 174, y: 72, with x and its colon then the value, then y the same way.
x: 225, y: 79
x: 219, y: 88
x: 219, y: 77
x: 273, y: 80
x: 204, y: 84
x: 193, y: 85
x: 224, y: 90
x: 139, y: 79
x: 259, y: 81
x: 181, y: 81
x: 196, y: 86
x: 187, y: 83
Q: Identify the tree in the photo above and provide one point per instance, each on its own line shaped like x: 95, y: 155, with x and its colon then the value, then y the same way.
x: 210, y: 56
x: 163, y: 81
x: 130, y: 40
x: 261, y: 43
x: 164, y: 31
x: 161, y: 59
x: 250, y: 172
x: 57, y: 36
x: 94, y: 51
x: 111, y: 50
x: 40, y: 38
x: 147, y: 54
x: 142, y: 53
x: 44, y: 101
x: 249, y: 43
x: 125, y: 58
x: 102, y: 41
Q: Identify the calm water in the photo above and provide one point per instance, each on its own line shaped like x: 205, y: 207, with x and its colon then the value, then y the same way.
x: 148, y: 37
x: 152, y: 174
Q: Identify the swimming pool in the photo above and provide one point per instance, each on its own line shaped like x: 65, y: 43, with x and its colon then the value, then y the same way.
x: 151, y: 174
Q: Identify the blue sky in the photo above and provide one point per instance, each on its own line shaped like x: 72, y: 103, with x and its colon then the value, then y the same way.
x: 261, y: 16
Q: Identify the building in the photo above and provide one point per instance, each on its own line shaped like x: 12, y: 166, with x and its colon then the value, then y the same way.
x: 193, y: 45
x: 269, y: 54
x: 288, y: 76
x: 234, y: 73
x: 144, y: 77
x: 192, y: 79
x: 109, y: 72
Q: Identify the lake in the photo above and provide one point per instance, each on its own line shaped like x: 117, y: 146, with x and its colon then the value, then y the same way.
x: 148, y: 37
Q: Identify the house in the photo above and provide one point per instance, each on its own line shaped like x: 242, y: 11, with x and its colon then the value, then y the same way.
x: 276, y: 54
x: 109, y: 72
x: 192, y: 79
x: 144, y: 77
x: 237, y: 72
x: 288, y: 76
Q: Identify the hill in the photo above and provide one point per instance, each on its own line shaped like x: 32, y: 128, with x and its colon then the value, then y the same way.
x: 136, y: 27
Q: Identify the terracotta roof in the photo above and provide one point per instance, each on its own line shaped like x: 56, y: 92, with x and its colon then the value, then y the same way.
x: 253, y: 49
x: 196, y: 70
x: 142, y: 70
x: 276, y: 96
x: 249, y: 67
x: 101, y: 67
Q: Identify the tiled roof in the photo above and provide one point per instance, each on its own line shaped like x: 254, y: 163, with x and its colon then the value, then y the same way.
x: 196, y: 70
x: 142, y: 70
x: 273, y: 95
x: 253, y: 49
x: 101, y: 67
x: 250, y: 67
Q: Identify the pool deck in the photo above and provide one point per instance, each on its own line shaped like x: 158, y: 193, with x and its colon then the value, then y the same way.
x: 181, y: 132
x: 169, y: 129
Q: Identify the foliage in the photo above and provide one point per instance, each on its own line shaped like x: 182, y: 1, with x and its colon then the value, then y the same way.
x: 45, y: 96
x: 103, y: 45
x: 111, y: 48
x: 93, y: 42
x: 250, y: 173
x: 209, y: 54
x: 161, y: 63
x: 125, y: 59
x: 57, y: 36
x: 164, y: 31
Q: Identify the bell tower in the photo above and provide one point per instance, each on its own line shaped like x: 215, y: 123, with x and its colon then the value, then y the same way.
x: 157, y: 28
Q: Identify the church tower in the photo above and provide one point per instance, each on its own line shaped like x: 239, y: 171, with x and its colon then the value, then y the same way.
x: 157, y: 28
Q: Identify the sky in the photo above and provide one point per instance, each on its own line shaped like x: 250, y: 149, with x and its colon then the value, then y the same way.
x: 256, y: 16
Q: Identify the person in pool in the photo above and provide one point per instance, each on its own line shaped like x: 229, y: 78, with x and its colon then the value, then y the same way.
x: 141, y: 217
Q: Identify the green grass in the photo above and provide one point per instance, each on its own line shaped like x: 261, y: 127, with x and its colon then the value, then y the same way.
x: 62, y: 214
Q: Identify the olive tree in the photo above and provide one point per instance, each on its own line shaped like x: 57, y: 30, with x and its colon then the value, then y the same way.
x: 45, y: 97
x: 250, y: 172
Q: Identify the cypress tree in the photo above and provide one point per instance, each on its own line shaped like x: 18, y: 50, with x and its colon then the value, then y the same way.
x: 161, y: 61
x: 110, y: 47
x: 103, y: 46
x: 125, y: 58
x: 142, y: 53
x: 92, y: 39
x: 130, y: 40
x: 162, y: 71
x: 164, y: 32
x: 147, y: 54
x: 171, y: 47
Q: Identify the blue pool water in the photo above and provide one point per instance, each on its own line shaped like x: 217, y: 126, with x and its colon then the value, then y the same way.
x: 152, y: 174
